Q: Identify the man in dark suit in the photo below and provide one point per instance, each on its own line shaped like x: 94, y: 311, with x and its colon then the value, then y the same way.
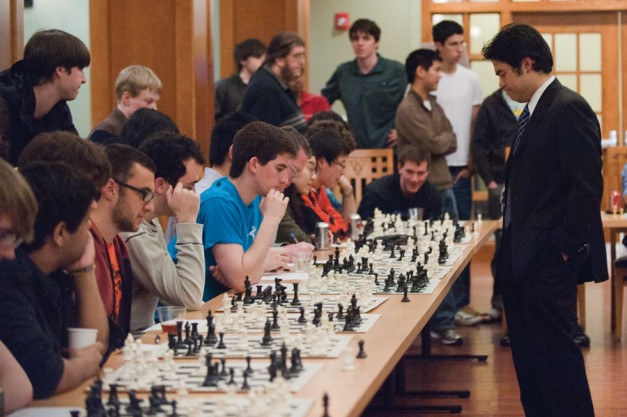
x: 552, y: 232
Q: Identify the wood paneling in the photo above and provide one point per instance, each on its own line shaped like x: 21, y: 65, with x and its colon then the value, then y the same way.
x: 11, y: 32
x: 173, y: 39
x: 261, y: 19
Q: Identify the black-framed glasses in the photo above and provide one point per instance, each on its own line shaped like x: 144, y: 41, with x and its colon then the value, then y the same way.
x: 8, y: 239
x: 147, y: 195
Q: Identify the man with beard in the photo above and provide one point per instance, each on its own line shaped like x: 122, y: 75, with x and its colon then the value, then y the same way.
x: 370, y: 87
x: 125, y: 200
x: 269, y: 97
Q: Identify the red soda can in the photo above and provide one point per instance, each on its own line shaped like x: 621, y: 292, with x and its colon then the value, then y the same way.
x: 615, y: 201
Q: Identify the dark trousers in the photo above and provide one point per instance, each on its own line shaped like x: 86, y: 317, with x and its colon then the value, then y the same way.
x: 549, y: 366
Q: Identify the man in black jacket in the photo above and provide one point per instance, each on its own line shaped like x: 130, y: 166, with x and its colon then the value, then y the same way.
x: 34, y: 91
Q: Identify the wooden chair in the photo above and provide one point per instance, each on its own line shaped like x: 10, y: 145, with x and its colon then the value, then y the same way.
x: 365, y: 165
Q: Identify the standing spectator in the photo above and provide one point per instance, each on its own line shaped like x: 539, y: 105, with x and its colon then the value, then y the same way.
x: 459, y: 94
x: 268, y: 96
x: 370, y: 87
x: 552, y: 230
x: 248, y: 56
x: 35, y: 90
x: 136, y: 87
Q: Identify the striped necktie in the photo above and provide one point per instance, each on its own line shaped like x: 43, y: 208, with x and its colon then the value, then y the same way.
x: 522, y: 122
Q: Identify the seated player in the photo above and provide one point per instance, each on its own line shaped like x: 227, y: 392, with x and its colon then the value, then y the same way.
x: 239, y: 232
x: 219, y: 151
x: 143, y: 124
x: 289, y: 228
x: 178, y: 161
x: 51, y: 284
x: 331, y: 148
x: 136, y: 87
x: 18, y: 209
x: 406, y: 189
x: 125, y: 200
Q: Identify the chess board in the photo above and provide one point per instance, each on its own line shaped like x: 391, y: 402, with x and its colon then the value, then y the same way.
x: 243, y: 345
x: 224, y: 406
x: 190, y: 375
x: 329, y: 303
x: 256, y: 325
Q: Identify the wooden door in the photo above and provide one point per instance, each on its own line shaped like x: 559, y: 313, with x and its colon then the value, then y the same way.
x: 585, y: 58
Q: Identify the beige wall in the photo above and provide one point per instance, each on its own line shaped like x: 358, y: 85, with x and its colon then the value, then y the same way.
x: 399, y: 21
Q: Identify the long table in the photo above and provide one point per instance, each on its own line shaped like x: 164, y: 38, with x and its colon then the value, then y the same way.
x: 392, y: 335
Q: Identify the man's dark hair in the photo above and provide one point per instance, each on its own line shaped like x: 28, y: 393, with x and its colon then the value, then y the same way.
x: 223, y: 133
x: 328, y: 144
x: 445, y: 29
x: 518, y: 41
x: 169, y: 151
x: 4, y: 128
x: 63, y: 194
x: 299, y: 140
x: 365, y: 26
x: 123, y: 157
x: 48, y: 49
x: 246, y: 49
x: 423, y: 58
x: 414, y: 153
x: 60, y: 146
x: 334, y: 132
x: 261, y: 140
x: 326, y: 115
x: 144, y: 123
x: 281, y: 45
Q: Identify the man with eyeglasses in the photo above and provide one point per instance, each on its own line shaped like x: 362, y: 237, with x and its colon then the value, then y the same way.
x: 126, y: 199
x: 331, y: 149
x: 178, y: 161
x: 268, y: 96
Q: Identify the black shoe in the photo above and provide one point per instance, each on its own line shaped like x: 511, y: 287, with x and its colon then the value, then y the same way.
x: 579, y: 337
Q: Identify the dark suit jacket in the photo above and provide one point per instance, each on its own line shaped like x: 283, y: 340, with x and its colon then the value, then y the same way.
x: 556, y: 187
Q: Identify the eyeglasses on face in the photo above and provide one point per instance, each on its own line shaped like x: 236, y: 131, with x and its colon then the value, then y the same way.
x: 147, y: 195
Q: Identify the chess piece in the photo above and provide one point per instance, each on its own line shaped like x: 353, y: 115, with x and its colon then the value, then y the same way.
x: 295, y: 300
x: 301, y: 318
x: 249, y: 370
x: 231, y: 376
x: 275, y: 319
x: 221, y: 345
x: 267, y: 337
x: 405, y: 298
x: 245, y: 386
x: 362, y: 353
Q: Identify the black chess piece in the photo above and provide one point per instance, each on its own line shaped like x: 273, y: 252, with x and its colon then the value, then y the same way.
x: 249, y: 370
x: 295, y: 361
x: 267, y: 337
x: 179, y: 335
x: 301, y: 318
x: 114, y: 400
x: 248, y: 292
x: 134, y: 406
x: 295, y: 300
x: 275, y: 319
x: 259, y: 295
x: 348, y: 322
x: 231, y: 376
x: 221, y: 345
x: 405, y: 298
x: 187, y: 333
x: 362, y: 353
x: 173, y: 413
x: 212, y: 377
x: 245, y: 386
x: 195, y: 333
x: 325, y: 404
x: 211, y: 338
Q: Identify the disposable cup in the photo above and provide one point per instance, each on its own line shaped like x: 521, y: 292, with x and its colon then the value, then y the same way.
x: 169, y: 315
x: 301, y: 261
x: 80, y: 337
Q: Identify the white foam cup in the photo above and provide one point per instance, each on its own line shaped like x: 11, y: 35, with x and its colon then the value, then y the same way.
x: 80, y: 338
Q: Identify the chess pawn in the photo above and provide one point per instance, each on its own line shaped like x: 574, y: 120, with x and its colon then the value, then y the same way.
x: 349, y: 360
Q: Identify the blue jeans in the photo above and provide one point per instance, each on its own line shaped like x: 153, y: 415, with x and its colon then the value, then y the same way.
x: 463, y: 196
x: 444, y: 316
